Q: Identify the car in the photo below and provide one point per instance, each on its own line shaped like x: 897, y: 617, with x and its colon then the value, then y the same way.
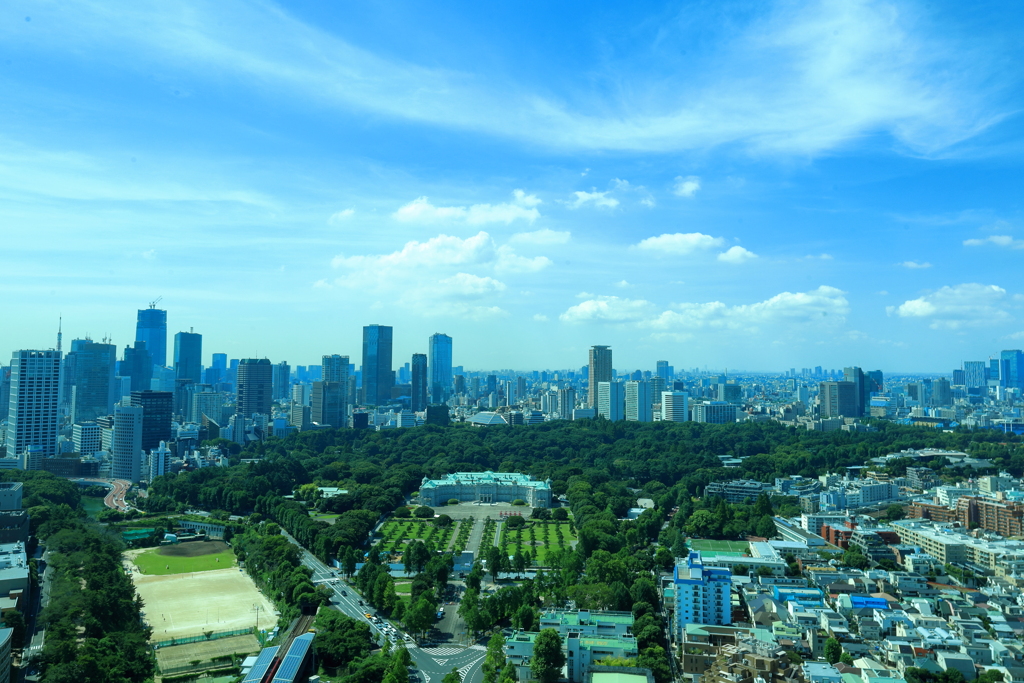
x: 345, y: 593
x: 368, y: 615
x: 360, y: 602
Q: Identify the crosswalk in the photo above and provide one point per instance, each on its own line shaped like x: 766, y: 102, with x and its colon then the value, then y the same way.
x: 442, y: 651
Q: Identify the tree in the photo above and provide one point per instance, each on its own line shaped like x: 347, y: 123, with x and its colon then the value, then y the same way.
x: 895, y: 511
x: 398, y: 613
x: 548, y: 658
x: 846, y: 658
x: 703, y: 523
x: 340, y: 639
x: 494, y: 661
x: 420, y: 616
x: 655, y: 659
x: 559, y: 514
x: 16, y: 620
x: 443, y: 521
x: 515, y: 522
x: 525, y: 618
x: 452, y: 677
x: 402, y: 512
x: 855, y: 558
x: 833, y: 650
x: 423, y: 512
x: 766, y: 528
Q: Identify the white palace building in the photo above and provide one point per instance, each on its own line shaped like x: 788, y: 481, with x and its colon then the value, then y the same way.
x: 486, y: 487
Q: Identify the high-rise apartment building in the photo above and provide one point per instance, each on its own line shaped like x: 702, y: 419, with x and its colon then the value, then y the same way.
x: 675, y: 406
x: 419, y: 380
x: 599, y: 370
x: 90, y: 369
x: 702, y: 594
x: 638, y: 402
x: 126, y: 443
x: 838, y: 399
x: 33, y: 412
x: 334, y: 368
x: 439, y: 367
x: 205, y: 401
x: 151, y: 328
x: 254, y: 387
x: 714, y: 412
x: 188, y: 356
x: 566, y: 402
x: 942, y: 394
x: 158, y: 410
x: 611, y: 400
x: 378, y: 376
x: 664, y: 371
x: 159, y: 460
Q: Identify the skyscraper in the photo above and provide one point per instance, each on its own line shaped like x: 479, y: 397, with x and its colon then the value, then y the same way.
x: 419, y: 382
x: 33, y: 415
x: 860, y: 389
x: 638, y: 402
x: 665, y: 371
x: 975, y: 374
x: 329, y: 404
x: 378, y: 376
x: 157, y: 411
x: 138, y: 364
x: 151, y: 328
x: 675, y: 406
x: 126, y: 443
x: 254, y: 387
x: 838, y: 399
x: 282, y: 377
x: 1011, y: 369
x: 188, y: 356
x: 599, y: 370
x: 611, y: 400
x: 566, y: 402
x: 90, y: 381
x: 440, y: 367
x: 335, y: 368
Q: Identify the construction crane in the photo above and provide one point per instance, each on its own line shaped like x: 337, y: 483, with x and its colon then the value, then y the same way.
x: 152, y: 304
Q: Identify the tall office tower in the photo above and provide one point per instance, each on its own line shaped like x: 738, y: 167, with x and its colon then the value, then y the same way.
x: 188, y: 356
x: 328, y: 404
x: 995, y: 370
x: 86, y: 438
x: 183, y: 390
x: 731, y: 393
x: 860, y: 388
x: 5, y: 390
x: 662, y: 370
x: 675, y: 406
x: 90, y: 379
x: 419, y: 370
x: 941, y: 393
x: 599, y: 370
x: 33, y: 415
x: 959, y: 378
x: 611, y: 400
x: 152, y: 329
x: 158, y: 409
x: 638, y: 402
x: 137, y: 363
x: 975, y: 374
x: 460, y: 385
x: 335, y: 368
x: 1011, y: 369
x: 220, y: 361
x: 566, y: 402
x: 205, y: 401
x: 439, y: 367
x: 281, y: 379
x: 492, y: 384
x: 254, y: 387
x: 838, y: 399
x: 658, y: 385
x: 126, y: 443
x: 159, y: 459
x: 876, y: 385
x: 474, y: 386
x: 378, y: 376
x: 521, y: 388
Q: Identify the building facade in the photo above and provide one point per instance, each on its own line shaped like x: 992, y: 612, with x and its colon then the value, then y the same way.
x: 611, y: 400
x: 188, y: 356
x: 126, y: 443
x: 418, y: 399
x: 440, y: 367
x: 33, y: 413
x: 486, y: 487
x: 638, y: 402
x: 599, y: 370
x: 254, y: 387
x: 378, y: 376
x: 675, y: 406
x: 151, y: 328
x: 702, y: 594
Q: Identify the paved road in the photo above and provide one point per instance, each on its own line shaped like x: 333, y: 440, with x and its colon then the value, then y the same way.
x: 434, y: 662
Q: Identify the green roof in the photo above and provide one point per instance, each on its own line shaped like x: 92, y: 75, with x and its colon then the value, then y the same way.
x: 602, y: 677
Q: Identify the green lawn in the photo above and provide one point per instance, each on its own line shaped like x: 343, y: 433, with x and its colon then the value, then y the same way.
x: 545, y: 539
x: 151, y: 563
x: 403, y: 588
x: 718, y: 546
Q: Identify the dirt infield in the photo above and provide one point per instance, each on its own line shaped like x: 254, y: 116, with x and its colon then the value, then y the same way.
x: 183, y: 655
x: 193, y: 549
x: 179, y: 605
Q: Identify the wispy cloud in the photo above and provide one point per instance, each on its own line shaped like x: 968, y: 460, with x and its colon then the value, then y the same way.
x: 798, y: 79
x: 686, y: 187
x: 736, y: 254
x: 680, y: 243
x: 914, y: 265
x: 597, y: 199
x: 544, y: 237
x: 340, y: 217
x: 1005, y: 241
x: 420, y: 210
x: 957, y: 306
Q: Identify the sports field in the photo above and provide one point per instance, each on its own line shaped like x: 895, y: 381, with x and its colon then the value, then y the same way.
x: 180, y: 605
x: 718, y: 546
x: 185, y: 558
x: 205, y: 651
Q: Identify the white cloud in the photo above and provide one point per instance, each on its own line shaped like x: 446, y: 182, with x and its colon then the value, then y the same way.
x: 420, y: 210
x: 795, y: 78
x: 539, y: 317
x: 608, y: 309
x: 595, y: 198
x: 444, y: 275
x: 736, y: 254
x: 914, y: 265
x: 648, y: 202
x: 623, y: 284
x: 544, y: 236
x: 998, y: 240
x: 824, y: 306
x: 965, y: 305
x: 341, y: 216
x: 680, y: 243
x: 686, y: 187
x: 149, y: 255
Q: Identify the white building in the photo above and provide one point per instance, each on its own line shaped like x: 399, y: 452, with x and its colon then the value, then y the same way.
x: 714, y: 412
x: 86, y: 438
x: 611, y: 400
x: 675, y: 406
x: 701, y: 594
x: 638, y: 402
x: 126, y: 443
x: 159, y: 459
x: 33, y: 416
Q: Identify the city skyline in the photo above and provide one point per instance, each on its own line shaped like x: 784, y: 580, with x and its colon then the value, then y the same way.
x: 723, y: 186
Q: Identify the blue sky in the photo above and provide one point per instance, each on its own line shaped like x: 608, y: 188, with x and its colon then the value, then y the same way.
x: 743, y: 185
